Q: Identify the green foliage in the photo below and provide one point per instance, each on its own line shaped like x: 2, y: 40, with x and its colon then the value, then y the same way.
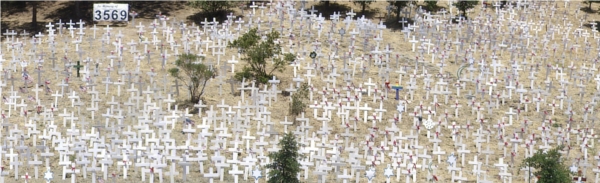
x: 464, y: 5
x: 363, y: 4
x: 398, y: 5
x: 211, y: 7
x: 431, y: 5
x: 298, y: 105
x: 193, y: 74
x: 285, y: 166
x: 258, y: 50
x: 548, y: 166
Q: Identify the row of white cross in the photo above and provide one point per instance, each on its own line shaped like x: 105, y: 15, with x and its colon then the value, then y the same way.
x: 350, y: 125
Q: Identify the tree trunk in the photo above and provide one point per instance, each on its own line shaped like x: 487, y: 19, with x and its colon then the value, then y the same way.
x: 34, y: 16
x: 397, y: 13
x: 364, y: 5
x: 77, y: 9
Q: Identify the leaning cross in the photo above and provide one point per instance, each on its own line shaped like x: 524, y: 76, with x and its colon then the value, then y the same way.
x: 78, y: 66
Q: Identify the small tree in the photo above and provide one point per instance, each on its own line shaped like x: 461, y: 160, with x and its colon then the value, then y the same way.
x: 258, y: 50
x: 464, y: 5
x: 285, y: 166
x: 399, y: 5
x: 363, y: 4
x: 549, y: 166
x: 193, y: 74
x: 298, y: 104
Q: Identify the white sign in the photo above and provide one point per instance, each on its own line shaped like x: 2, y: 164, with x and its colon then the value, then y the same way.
x: 111, y: 12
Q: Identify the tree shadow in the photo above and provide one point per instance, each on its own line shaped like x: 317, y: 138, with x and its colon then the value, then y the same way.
x: 199, y: 17
x: 145, y: 9
x: 590, y: 25
x: 588, y: 10
x: 394, y: 24
x: 70, y: 10
x: 433, y: 9
x: 28, y: 26
x: 149, y: 9
x: 369, y: 13
x: 19, y: 27
x: 12, y: 7
x: 4, y: 26
x: 326, y: 11
x: 183, y: 104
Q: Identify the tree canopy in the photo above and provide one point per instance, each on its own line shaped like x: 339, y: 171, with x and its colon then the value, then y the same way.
x: 285, y: 166
x: 193, y: 74
x: 549, y: 167
x: 464, y: 5
x: 259, y: 51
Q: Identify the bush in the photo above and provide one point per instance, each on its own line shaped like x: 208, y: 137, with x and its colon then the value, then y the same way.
x: 549, y: 168
x: 298, y: 105
x: 257, y: 53
x: 193, y: 74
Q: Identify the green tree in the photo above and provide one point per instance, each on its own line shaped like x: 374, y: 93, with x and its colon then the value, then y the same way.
x: 399, y: 5
x: 464, y: 5
x: 298, y: 104
x: 259, y: 51
x: 193, y: 74
x: 285, y: 166
x: 549, y: 166
x: 431, y: 4
x: 363, y: 4
x: 211, y: 7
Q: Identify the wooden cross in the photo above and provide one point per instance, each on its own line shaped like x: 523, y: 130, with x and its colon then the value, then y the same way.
x: 78, y: 66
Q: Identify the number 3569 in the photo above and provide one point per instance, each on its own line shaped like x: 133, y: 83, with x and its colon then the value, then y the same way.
x: 119, y: 15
